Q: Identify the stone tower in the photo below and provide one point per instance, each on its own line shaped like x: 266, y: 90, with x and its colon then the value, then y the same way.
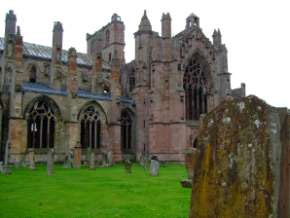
x: 108, y: 41
x: 10, y: 23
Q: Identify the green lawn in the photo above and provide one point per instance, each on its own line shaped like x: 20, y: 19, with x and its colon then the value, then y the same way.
x: 101, y: 193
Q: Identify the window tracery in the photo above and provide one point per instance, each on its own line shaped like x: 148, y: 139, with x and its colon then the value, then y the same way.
x: 90, y: 128
x: 195, y: 86
x: 41, y: 125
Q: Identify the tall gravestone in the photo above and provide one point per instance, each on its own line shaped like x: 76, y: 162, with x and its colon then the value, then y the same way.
x: 31, y: 158
x: 77, y: 157
x: 154, y: 166
x: 92, y: 157
x: 4, y: 168
x: 68, y: 162
x: 50, y: 161
x: 243, y: 163
x: 128, y: 162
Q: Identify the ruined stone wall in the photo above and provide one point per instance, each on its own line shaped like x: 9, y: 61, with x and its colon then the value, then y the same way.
x: 242, y: 168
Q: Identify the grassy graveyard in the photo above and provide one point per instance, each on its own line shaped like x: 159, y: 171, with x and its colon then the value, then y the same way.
x: 100, y: 193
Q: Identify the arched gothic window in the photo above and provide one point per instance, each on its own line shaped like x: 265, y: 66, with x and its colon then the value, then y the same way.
x: 195, y: 85
x: 126, y: 131
x: 32, y: 74
x: 41, y: 125
x: 90, y: 128
x: 107, y: 37
x: 131, y: 82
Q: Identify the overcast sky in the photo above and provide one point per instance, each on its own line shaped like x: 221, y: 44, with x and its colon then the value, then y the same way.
x: 256, y: 32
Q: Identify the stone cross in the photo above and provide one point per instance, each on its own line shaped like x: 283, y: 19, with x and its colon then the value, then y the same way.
x: 50, y: 161
x: 154, y: 167
x: 31, y: 158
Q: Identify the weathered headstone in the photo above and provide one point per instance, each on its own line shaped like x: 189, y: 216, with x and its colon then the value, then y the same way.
x: 127, y: 159
x: 50, y: 161
x: 110, y: 158
x: 107, y: 158
x: 154, y: 166
x: 68, y: 162
x: 77, y: 156
x: 92, y: 160
x: 1, y: 167
x: 243, y: 166
x: 31, y: 158
x: 191, y: 155
x: 5, y: 168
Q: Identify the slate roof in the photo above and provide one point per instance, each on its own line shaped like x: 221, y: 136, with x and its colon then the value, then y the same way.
x: 44, y: 52
x: 45, y: 89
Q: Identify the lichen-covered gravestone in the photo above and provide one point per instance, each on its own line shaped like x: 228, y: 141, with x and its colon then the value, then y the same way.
x: 243, y: 165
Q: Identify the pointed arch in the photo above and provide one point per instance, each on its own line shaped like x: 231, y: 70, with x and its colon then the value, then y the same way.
x: 127, y: 127
x: 196, y: 85
x: 92, y: 119
x: 42, y: 115
x: 99, y: 108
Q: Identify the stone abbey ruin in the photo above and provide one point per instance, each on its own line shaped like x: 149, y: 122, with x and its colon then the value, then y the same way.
x: 173, y: 100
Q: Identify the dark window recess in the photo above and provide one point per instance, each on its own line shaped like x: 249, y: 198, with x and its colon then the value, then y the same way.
x: 179, y: 67
x: 41, y: 126
x: 131, y: 83
x: 90, y: 128
x: 110, y: 57
x: 195, y: 142
x: 106, y: 90
x: 126, y: 131
x: 195, y: 86
x: 107, y: 37
x: 32, y: 74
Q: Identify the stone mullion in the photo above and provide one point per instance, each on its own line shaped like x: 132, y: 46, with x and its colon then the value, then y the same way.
x: 96, y: 134
x: 48, y: 132
x: 90, y: 134
x: 197, y: 103
x: 126, y: 136
x: 40, y: 129
x: 201, y: 100
x: 33, y: 134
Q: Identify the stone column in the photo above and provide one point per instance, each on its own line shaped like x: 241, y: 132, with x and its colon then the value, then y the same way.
x: 18, y: 138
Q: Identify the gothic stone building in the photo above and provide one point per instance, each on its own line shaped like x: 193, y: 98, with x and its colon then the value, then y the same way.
x: 53, y: 98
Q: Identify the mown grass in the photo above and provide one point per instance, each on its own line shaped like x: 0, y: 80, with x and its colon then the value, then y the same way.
x: 100, y: 193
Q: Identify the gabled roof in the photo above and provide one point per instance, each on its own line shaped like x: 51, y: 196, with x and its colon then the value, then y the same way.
x: 45, y: 52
